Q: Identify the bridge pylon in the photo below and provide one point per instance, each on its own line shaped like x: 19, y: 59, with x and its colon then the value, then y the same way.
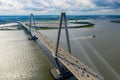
x: 32, y: 22
x: 32, y: 25
x: 61, y: 70
x: 63, y: 19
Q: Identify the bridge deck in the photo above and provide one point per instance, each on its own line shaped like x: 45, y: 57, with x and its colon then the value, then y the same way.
x: 75, y: 66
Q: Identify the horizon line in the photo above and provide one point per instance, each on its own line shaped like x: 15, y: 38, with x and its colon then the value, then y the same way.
x: 59, y: 14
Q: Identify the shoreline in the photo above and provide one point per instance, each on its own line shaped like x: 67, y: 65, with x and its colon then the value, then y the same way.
x: 115, y: 21
x: 54, y: 25
x: 47, y: 25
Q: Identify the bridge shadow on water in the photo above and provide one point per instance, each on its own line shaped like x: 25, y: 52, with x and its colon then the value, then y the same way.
x: 48, y: 53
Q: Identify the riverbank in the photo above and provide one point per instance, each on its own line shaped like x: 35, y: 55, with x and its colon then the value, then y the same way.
x: 115, y: 21
x: 48, y: 25
x: 10, y: 26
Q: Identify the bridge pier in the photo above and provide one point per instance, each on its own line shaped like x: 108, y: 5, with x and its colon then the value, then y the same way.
x: 58, y: 76
x: 61, y: 72
x: 33, y: 38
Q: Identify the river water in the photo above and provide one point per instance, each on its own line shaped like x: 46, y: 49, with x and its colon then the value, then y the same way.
x: 22, y: 59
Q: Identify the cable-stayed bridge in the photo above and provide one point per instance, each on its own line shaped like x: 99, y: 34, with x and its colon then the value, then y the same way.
x: 75, y: 66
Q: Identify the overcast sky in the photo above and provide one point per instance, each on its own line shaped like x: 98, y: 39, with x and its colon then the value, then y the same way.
x: 73, y: 7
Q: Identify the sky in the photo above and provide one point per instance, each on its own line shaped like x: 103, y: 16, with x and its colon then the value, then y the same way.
x: 55, y: 7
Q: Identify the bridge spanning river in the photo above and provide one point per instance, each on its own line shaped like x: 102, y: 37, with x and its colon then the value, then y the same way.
x: 75, y: 66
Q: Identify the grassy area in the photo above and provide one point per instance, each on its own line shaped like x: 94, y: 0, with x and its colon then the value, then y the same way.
x: 115, y: 21
x: 85, y: 26
x: 48, y: 28
x: 82, y: 23
x: 88, y: 25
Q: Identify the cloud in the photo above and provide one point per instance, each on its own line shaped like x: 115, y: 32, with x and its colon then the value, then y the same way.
x: 107, y: 3
x: 57, y: 6
x: 0, y: 3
